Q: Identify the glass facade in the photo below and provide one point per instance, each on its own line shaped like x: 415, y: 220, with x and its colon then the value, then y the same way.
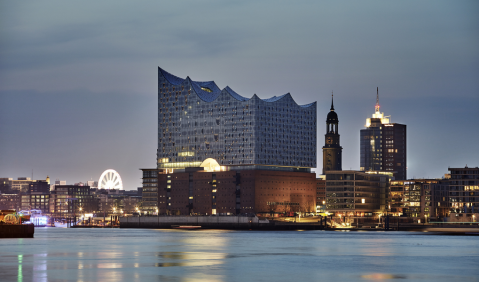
x: 353, y: 192
x: 371, y: 149
x: 150, y: 190
x: 197, y: 121
x: 464, y: 190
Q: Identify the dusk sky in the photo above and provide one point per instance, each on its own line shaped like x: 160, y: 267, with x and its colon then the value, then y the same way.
x: 78, y: 80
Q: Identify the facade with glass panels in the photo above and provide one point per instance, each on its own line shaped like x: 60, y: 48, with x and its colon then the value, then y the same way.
x: 355, y: 193
x: 197, y: 121
x: 149, y: 195
x: 464, y: 191
x: 383, y: 145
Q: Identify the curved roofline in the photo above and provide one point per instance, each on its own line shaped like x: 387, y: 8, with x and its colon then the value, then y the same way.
x: 207, y: 96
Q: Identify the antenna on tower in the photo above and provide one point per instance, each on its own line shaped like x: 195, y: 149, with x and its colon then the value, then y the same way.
x: 377, y: 100
x: 377, y: 95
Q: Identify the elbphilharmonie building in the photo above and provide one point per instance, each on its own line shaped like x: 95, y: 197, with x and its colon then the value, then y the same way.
x: 198, y: 121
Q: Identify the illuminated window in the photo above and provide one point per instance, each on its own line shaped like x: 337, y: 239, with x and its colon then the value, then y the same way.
x: 186, y: 154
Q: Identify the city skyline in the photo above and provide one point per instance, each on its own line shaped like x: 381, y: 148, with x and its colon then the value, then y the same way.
x: 78, y: 93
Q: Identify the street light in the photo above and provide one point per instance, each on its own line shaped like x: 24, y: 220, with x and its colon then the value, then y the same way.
x: 81, y: 214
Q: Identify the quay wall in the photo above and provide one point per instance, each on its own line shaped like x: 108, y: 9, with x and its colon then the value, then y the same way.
x: 213, y: 222
x: 208, y: 222
x: 254, y: 223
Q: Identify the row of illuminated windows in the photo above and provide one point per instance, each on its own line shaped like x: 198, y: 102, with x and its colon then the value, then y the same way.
x: 277, y: 111
x: 203, y: 114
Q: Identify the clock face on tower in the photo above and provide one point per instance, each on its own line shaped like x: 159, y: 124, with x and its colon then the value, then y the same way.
x: 329, y: 140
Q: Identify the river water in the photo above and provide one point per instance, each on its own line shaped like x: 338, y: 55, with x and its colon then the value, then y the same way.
x: 61, y: 254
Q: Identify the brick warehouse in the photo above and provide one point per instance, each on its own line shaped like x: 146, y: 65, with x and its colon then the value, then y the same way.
x: 229, y: 192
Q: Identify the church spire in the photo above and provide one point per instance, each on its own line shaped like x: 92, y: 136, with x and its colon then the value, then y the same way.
x: 332, y: 105
x: 377, y: 100
x: 332, y: 150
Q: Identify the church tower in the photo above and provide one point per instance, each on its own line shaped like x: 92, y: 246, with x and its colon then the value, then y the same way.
x: 332, y: 151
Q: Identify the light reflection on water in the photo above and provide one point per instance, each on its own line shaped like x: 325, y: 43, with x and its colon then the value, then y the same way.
x: 213, y: 255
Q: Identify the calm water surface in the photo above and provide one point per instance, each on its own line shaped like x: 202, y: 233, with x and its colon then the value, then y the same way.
x: 60, y: 254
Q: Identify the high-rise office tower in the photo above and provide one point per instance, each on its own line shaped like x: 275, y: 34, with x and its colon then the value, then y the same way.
x: 332, y: 150
x: 198, y: 121
x: 383, y: 145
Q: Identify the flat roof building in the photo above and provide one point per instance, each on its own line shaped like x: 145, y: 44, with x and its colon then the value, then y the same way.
x: 149, y: 192
x: 464, y: 190
x: 356, y: 193
x: 383, y: 145
x: 262, y: 192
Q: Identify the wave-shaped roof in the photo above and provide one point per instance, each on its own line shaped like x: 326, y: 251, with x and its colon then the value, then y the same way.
x: 235, y: 95
x: 276, y: 98
x: 208, y: 91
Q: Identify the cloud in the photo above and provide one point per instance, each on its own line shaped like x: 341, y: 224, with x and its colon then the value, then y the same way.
x: 419, y: 54
x: 75, y: 135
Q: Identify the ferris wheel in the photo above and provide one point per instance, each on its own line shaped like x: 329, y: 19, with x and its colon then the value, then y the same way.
x: 110, y: 179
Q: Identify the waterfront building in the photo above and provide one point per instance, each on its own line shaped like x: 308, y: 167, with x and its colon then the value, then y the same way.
x: 262, y: 192
x: 220, y: 153
x: 416, y: 198
x: 149, y: 201
x: 72, y: 200
x: 383, y: 145
x: 464, y: 192
x: 197, y: 121
x: 37, y: 201
x: 456, y: 196
x: 37, y: 197
x: 356, y: 193
x: 332, y: 150
x: 116, y: 201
